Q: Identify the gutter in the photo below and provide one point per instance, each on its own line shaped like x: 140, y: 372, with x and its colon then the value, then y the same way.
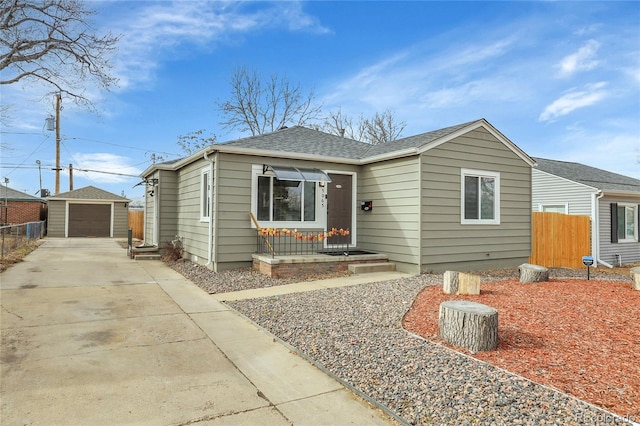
x: 596, y: 227
x: 213, y: 203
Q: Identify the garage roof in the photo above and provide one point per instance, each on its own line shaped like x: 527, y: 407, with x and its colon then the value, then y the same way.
x: 89, y: 193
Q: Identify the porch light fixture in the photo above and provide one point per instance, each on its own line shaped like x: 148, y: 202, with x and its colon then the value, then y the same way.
x: 296, y: 173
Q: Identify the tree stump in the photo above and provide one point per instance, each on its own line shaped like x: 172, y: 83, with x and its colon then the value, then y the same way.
x: 460, y: 283
x: 450, y: 283
x: 468, y: 325
x: 533, y: 273
x: 635, y: 274
x: 468, y: 284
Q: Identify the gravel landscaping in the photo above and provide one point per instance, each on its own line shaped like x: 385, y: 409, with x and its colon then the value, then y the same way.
x: 356, y: 333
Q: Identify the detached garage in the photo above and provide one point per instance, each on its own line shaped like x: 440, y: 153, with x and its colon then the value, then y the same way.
x: 88, y: 212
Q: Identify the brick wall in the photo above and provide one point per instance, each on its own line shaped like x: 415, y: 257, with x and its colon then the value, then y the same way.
x: 292, y: 270
x: 20, y: 212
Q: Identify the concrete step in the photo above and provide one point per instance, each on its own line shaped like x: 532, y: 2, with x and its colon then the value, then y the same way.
x: 365, y: 268
x: 147, y: 256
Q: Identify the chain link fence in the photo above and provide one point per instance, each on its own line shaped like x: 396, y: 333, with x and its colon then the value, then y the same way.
x: 15, y: 237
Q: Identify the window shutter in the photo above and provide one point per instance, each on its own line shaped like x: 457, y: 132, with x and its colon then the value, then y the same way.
x: 614, y: 222
x: 638, y: 222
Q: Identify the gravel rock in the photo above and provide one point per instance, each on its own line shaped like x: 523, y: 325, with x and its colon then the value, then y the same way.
x: 361, y: 341
x: 235, y: 279
x: 356, y: 333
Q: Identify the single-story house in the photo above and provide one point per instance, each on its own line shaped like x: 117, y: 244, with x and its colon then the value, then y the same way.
x: 455, y: 198
x: 88, y: 212
x: 609, y: 199
x: 18, y: 207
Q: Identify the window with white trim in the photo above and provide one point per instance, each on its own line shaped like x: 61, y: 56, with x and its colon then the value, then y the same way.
x: 480, y: 197
x: 205, y: 195
x: 285, y: 203
x: 627, y: 222
x: 555, y: 208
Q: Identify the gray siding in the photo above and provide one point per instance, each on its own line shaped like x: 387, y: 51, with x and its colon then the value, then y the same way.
x: 185, y: 210
x: 392, y: 226
x: 56, y: 219
x: 445, y: 242
x: 550, y: 189
x: 120, y: 220
x: 149, y: 211
x: 234, y: 238
x: 629, y: 251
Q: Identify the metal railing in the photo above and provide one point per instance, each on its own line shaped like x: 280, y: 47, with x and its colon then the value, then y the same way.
x: 285, y: 242
x: 14, y: 237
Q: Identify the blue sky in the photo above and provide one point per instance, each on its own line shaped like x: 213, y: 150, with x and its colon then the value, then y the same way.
x: 560, y: 79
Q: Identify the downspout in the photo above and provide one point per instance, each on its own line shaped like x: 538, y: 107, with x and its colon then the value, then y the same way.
x: 212, y: 203
x: 596, y: 226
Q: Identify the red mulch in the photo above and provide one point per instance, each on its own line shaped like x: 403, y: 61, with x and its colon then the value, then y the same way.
x: 581, y: 337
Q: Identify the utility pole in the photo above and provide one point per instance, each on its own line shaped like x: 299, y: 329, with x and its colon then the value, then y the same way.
x: 58, y: 101
x: 40, y: 174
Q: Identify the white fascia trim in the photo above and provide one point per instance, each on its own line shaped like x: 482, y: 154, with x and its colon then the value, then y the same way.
x: 622, y: 194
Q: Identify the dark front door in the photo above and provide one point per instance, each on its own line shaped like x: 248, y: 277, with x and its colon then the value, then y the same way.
x: 89, y: 220
x: 339, y: 207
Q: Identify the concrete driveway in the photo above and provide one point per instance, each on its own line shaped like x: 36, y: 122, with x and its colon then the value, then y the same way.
x: 90, y: 337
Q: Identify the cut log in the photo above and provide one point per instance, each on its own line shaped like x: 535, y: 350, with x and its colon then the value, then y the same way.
x: 468, y: 284
x: 635, y: 274
x: 450, y: 284
x: 468, y: 325
x: 533, y: 273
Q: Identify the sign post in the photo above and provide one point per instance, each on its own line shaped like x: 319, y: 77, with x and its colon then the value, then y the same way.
x: 588, y: 261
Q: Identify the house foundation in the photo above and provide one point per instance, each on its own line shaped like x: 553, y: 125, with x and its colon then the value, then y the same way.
x: 298, y: 265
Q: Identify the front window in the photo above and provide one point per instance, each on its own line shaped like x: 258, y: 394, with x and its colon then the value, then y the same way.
x: 205, y: 196
x: 285, y: 200
x: 480, y: 197
x: 626, y: 223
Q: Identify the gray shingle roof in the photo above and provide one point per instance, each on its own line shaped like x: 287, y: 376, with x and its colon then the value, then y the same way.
x: 89, y: 193
x: 9, y: 194
x: 587, y: 175
x: 303, y: 140
x: 417, y: 141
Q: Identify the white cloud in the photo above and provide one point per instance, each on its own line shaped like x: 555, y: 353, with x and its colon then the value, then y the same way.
x: 582, y: 60
x: 592, y: 94
x: 106, y: 168
x: 155, y: 30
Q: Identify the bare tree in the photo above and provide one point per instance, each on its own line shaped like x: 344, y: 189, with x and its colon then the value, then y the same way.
x: 381, y: 128
x: 259, y: 106
x: 52, y: 41
x: 193, y: 142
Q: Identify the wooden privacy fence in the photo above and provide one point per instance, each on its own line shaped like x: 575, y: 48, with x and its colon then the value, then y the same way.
x: 560, y: 240
x: 136, y: 223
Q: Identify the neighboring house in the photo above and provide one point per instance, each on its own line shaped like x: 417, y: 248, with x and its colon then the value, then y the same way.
x: 17, y: 207
x: 456, y: 198
x: 609, y: 199
x: 88, y: 212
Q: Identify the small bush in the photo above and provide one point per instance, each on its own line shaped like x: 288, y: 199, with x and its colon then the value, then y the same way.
x: 172, y: 250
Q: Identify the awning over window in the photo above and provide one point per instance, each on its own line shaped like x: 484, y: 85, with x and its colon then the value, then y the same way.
x: 296, y: 173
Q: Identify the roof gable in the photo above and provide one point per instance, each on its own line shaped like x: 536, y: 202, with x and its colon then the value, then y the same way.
x: 303, y: 143
x: 587, y: 175
x: 88, y: 193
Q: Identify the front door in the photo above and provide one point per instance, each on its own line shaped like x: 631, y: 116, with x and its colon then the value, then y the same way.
x: 339, y: 207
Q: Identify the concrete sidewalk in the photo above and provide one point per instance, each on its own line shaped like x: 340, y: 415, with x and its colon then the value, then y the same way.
x: 311, y: 285
x: 92, y: 337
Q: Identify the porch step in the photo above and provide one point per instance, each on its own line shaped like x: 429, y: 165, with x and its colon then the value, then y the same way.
x: 147, y: 256
x: 365, y: 268
x: 145, y: 253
